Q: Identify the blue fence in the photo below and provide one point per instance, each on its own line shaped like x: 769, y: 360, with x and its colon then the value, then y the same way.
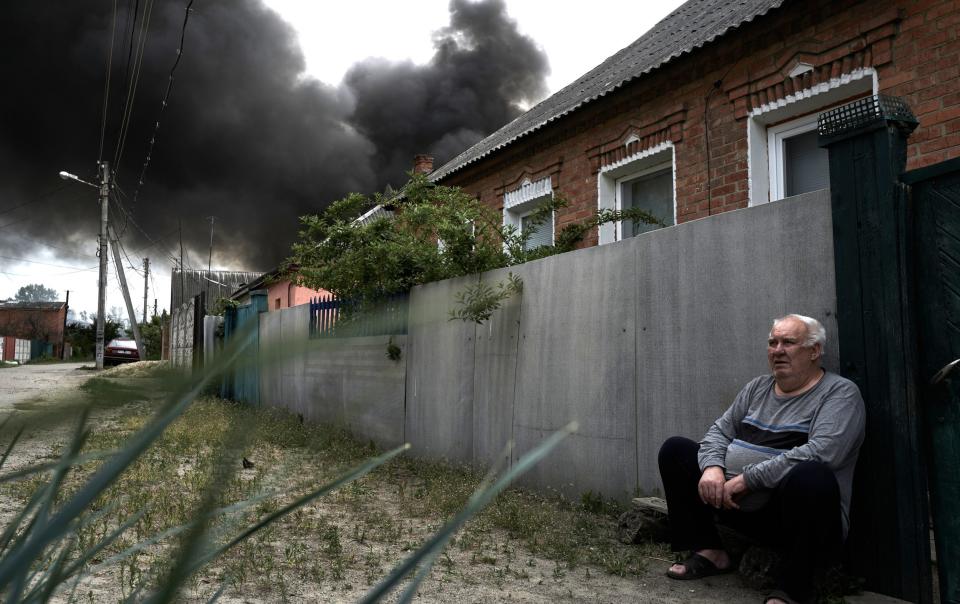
x: 331, y: 317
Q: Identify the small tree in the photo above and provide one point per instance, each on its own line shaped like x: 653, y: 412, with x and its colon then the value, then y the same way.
x: 35, y: 292
x: 436, y: 232
x: 152, y: 332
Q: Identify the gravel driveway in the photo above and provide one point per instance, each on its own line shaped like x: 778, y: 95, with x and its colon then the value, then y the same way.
x: 39, y: 382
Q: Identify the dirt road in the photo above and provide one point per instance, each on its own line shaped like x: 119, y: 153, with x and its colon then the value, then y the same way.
x: 39, y: 382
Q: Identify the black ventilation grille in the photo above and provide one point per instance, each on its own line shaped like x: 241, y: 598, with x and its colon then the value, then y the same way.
x: 864, y: 112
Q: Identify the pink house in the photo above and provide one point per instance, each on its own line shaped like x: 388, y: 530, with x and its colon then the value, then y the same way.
x: 282, y: 290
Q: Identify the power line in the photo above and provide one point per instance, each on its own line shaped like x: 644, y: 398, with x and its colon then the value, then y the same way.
x: 163, y: 104
x: 40, y: 197
x: 56, y: 247
x: 129, y: 216
x: 106, y: 86
x: 31, y: 216
x: 51, y: 275
x: 44, y: 263
x: 132, y: 87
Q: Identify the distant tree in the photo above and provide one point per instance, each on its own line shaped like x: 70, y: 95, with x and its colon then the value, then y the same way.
x: 35, y: 292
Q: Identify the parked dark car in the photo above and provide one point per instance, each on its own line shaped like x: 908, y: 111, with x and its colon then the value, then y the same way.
x: 120, y: 351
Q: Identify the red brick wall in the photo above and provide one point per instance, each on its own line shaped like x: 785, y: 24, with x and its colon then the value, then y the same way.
x: 30, y: 324
x: 912, y: 46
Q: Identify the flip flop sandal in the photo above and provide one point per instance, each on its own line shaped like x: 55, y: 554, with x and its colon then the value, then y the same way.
x: 698, y: 567
x: 779, y: 595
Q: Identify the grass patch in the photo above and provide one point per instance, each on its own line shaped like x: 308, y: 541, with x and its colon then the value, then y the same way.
x: 341, y: 543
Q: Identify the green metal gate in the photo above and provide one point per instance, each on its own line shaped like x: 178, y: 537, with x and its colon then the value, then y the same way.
x: 241, y: 381
x: 935, y: 204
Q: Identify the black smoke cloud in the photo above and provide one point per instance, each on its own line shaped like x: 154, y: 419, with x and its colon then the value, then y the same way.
x: 245, y: 137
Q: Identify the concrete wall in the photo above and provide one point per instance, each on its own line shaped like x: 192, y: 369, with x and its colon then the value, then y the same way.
x: 348, y: 381
x: 181, y: 331
x: 637, y: 341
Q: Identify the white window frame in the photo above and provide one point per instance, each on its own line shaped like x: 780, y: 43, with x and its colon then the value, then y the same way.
x: 550, y: 223
x: 795, y: 114
x: 776, y: 138
x: 529, y: 195
x: 639, y: 164
x: 618, y: 184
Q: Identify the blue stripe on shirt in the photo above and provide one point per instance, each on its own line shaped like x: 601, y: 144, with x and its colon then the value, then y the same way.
x: 746, y: 445
x: 775, y: 428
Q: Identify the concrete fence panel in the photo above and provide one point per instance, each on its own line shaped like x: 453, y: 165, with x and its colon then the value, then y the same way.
x: 439, y: 419
x: 373, y: 388
x: 269, y: 356
x: 494, y: 376
x: 295, y: 333
x: 576, y: 362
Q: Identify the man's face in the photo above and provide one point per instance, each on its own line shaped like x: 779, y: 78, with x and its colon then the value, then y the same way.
x: 789, y: 359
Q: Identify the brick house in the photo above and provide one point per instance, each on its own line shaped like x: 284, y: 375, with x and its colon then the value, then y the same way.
x: 43, y: 321
x: 715, y: 109
x: 282, y: 290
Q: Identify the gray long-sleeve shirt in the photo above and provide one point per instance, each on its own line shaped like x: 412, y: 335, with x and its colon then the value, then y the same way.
x: 763, y: 436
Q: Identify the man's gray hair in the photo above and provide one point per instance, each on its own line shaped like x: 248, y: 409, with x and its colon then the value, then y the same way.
x: 816, y: 333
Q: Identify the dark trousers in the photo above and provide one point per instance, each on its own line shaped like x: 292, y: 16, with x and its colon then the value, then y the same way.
x: 802, y: 518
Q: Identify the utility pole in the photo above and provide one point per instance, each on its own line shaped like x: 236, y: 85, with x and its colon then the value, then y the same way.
x: 146, y: 275
x: 63, y: 337
x: 210, y: 257
x: 154, y: 307
x: 126, y: 298
x: 180, y: 301
x: 102, y: 294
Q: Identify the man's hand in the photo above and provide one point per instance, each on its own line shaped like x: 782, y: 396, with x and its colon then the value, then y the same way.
x: 711, y: 486
x: 732, y: 489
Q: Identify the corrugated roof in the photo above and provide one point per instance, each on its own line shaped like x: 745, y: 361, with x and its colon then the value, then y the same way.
x: 694, y: 24
x: 13, y: 305
x: 216, y: 284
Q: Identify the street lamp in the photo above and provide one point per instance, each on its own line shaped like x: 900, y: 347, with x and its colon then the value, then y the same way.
x: 68, y: 176
x: 104, y: 187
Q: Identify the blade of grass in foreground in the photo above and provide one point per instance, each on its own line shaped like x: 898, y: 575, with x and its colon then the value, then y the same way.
x: 46, y: 504
x: 354, y: 474
x: 55, y: 465
x: 15, y: 563
x: 427, y: 563
x: 478, y: 500
x: 13, y: 441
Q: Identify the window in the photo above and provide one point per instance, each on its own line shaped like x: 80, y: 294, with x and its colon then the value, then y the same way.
x: 542, y: 234
x: 651, y: 191
x: 785, y: 158
x: 645, y: 181
x: 276, y: 303
x: 519, y: 206
x: 797, y: 163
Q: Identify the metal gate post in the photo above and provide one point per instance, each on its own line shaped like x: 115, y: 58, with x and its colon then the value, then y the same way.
x: 889, y: 534
x: 936, y: 202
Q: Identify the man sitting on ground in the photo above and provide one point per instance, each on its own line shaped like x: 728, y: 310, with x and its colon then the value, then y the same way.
x: 776, y: 466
